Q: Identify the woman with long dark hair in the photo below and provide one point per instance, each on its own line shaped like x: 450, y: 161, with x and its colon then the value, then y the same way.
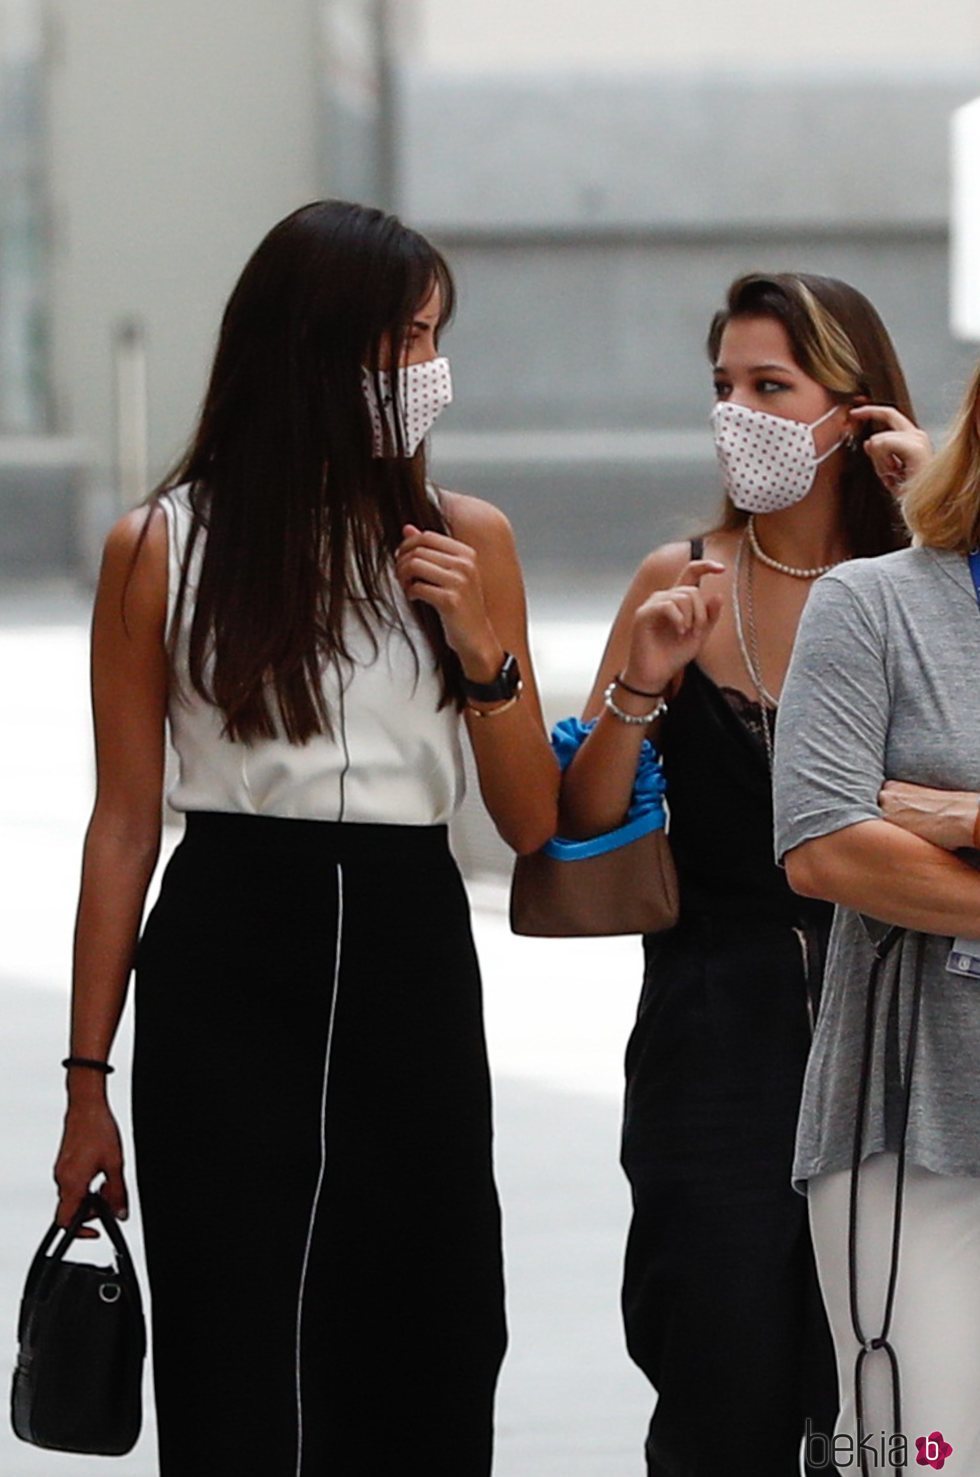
x: 310, y: 1087
x: 720, y: 1297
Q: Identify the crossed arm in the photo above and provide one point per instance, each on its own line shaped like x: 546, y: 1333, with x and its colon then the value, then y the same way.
x: 886, y: 848
x: 884, y: 869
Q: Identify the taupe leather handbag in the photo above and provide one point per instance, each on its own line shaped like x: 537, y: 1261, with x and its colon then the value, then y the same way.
x: 623, y: 881
x: 631, y: 888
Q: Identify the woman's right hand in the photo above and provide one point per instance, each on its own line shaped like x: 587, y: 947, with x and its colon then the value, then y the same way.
x: 671, y: 626
x: 90, y: 1145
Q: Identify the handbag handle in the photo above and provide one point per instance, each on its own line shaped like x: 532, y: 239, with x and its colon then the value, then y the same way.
x: 91, y: 1203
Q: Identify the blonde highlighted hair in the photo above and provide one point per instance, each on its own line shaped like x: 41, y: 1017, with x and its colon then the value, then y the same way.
x: 839, y: 340
x: 941, y: 504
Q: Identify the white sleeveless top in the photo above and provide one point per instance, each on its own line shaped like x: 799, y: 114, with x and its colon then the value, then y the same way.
x: 395, y: 757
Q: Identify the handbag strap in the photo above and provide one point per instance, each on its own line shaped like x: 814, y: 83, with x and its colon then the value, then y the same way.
x: 42, y: 1267
x: 881, y: 1341
x: 33, y: 1277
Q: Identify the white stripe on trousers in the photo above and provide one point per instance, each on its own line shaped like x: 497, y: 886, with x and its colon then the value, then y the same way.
x: 936, y: 1321
x: 319, y: 1181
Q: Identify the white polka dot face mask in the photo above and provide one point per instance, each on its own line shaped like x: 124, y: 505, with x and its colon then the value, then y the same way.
x: 767, y: 462
x: 423, y: 390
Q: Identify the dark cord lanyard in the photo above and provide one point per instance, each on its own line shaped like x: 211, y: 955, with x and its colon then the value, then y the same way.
x: 881, y: 1340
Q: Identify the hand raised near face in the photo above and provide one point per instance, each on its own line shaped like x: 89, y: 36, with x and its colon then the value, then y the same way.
x: 671, y: 626
x: 897, y: 447
x: 445, y: 573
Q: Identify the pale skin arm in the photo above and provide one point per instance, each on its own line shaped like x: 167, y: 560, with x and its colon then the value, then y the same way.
x: 878, y: 868
x: 661, y: 626
x: 473, y: 580
x: 947, y: 818
x: 129, y: 693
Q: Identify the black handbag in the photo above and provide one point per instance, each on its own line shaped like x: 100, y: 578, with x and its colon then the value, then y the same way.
x: 78, y: 1379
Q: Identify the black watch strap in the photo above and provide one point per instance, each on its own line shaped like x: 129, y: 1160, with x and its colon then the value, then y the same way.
x: 504, y: 685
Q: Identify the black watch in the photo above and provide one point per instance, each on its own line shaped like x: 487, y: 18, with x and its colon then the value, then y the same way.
x: 504, y: 685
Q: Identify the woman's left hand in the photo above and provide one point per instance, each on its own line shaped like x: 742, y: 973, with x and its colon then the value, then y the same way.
x: 444, y: 573
x: 898, y: 450
x: 945, y: 817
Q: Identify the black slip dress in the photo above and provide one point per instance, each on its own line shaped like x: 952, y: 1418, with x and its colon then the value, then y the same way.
x: 720, y: 1298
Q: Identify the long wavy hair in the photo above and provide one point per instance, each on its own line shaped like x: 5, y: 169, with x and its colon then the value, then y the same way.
x: 941, y: 505
x: 839, y: 340
x: 299, y: 518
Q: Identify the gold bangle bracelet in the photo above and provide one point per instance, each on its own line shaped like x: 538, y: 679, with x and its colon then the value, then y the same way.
x: 492, y: 712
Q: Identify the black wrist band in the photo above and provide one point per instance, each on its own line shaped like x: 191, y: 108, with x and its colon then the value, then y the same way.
x: 636, y: 691
x: 87, y: 1061
x: 503, y: 686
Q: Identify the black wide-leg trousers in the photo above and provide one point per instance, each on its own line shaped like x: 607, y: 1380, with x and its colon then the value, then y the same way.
x: 312, y: 1124
x: 721, y: 1302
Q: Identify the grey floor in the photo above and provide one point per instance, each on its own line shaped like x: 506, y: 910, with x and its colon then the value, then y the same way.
x: 570, y: 1403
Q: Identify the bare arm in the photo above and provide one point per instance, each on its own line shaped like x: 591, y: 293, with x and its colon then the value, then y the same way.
x: 660, y: 627
x: 880, y: 869
x: 475, y: 582
x: 948, y: 818
x: 129, y: 689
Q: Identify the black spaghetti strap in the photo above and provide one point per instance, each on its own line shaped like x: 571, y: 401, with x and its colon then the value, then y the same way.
x: 697, y: 547
x: 882, y: 1341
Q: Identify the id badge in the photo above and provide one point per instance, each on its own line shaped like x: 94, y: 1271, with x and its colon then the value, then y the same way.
x: 964, y: 958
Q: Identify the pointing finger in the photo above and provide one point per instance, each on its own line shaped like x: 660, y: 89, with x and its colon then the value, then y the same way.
x: 694, y: 572
x: 887, y: 414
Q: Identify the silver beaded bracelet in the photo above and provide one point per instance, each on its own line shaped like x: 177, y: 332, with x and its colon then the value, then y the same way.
x: 624, y: 717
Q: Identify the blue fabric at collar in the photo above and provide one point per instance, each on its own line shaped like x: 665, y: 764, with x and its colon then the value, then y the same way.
x: 974, y: 560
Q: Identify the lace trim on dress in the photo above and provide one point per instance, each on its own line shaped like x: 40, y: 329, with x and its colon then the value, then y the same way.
x: 747, y: 711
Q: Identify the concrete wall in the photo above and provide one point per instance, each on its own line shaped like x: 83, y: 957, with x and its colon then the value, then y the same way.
x: 42, y: 511
x: 595, y: 222
x: 836, y: 35
x: 23, y: 308
x: 180, y: 133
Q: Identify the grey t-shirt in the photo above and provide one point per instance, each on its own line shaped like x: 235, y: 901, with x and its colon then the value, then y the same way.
x: 884, y: 683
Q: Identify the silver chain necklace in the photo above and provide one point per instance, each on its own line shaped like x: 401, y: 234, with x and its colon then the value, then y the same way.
x: 750, y: 652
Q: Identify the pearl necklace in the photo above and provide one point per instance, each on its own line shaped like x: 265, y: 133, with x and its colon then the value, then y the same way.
x: 760, y: 553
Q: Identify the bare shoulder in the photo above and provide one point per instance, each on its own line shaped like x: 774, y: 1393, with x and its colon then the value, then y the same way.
x: 134, y: 561
x: 475, y: 521
x: 126, y: 537
x: 662, y: 565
